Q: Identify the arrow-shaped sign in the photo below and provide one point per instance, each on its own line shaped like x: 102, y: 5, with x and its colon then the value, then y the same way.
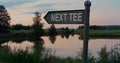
x: 65, y: 17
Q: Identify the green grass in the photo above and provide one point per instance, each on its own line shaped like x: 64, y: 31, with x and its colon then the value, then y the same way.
x: 100, y: 32
x: 104, y: 32
x: 80, y: 31
x: 21, y: 31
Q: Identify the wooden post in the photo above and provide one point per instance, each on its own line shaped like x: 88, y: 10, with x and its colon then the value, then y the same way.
x: 86, y: 31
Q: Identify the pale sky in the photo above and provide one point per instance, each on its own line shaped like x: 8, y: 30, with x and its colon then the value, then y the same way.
x: 103, y: 12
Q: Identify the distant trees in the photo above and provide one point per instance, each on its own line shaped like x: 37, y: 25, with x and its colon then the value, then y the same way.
x: 37, y: 26
x: 4, y: 19
x: 20, y: 27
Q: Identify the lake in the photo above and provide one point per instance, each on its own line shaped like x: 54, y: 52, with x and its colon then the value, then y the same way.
x: 64, y: 47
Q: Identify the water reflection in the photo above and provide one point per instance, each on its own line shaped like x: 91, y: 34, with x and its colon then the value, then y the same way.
x: 38, y: 53
x: 66, y: 46
x: 52, y: 39
x: 38, y: 45
x: 38, y: 48
x: 66, y: 35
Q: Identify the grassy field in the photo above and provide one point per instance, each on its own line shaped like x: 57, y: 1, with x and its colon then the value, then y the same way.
x: 100, y: 32
x: 80, y: 31
x: 114, y: 33
x: 21, y: 31
x: 104, y: 32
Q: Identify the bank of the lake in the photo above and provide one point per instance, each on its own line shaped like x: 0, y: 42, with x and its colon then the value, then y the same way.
x: 114, y: 33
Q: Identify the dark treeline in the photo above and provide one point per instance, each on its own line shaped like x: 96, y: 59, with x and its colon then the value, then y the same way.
x: 37, y: 27
x: 20, y: 27
x: 102, y: 27
x: 23, y: 27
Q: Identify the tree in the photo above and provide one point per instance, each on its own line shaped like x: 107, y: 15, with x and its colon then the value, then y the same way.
x: 37, y: 26
x: 4, y: 19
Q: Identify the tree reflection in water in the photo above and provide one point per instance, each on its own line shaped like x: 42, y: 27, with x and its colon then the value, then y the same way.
x: 65, y: 36
x: 52, y: 39
x: 39, y: 54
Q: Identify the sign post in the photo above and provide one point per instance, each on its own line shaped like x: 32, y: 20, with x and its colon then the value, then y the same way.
x: 86, y: 31
x: 73, y: 17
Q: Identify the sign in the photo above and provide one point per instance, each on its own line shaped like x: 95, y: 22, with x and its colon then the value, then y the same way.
x: 73, y: 17
x: 65, y: 17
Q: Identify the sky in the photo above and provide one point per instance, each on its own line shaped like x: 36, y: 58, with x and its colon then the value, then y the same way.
x: 103, y: 12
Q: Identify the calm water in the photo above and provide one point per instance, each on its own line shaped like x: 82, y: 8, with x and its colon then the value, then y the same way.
x: 64, y: 47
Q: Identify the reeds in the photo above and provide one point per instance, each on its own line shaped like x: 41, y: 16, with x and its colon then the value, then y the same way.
x: 105, y: 56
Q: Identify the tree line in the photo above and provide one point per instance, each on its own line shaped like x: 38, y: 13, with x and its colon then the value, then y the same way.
x: 37, y: 26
